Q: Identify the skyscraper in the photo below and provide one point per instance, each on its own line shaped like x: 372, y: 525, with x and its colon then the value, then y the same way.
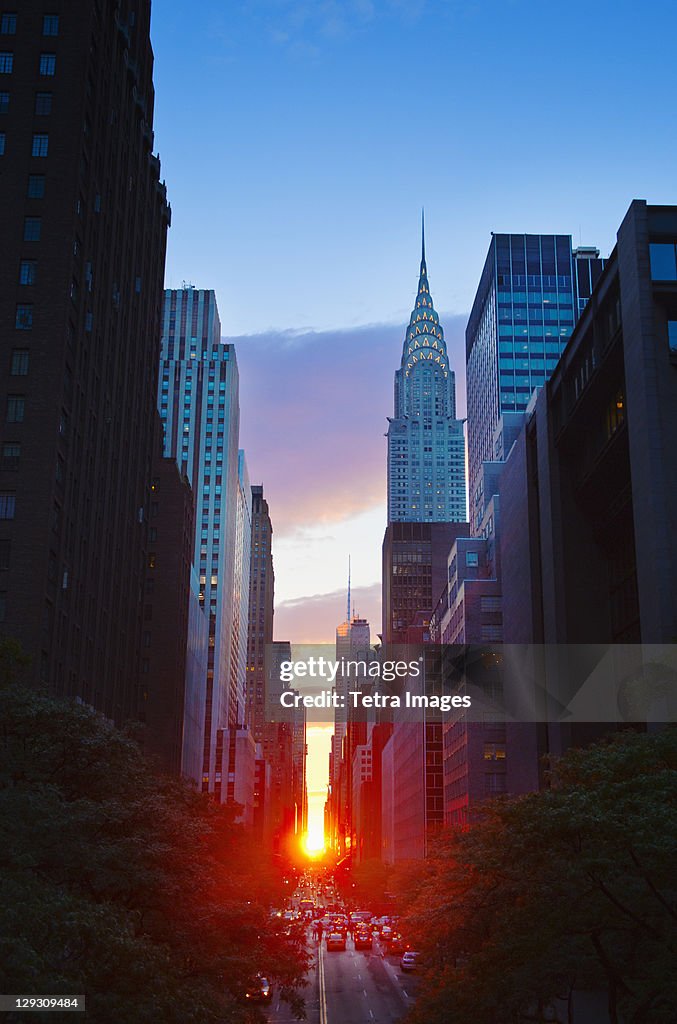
x: 530, y: 294
x: 426, y: 446
x: 261, y: 597
x: 84, y: 219
x: 199, y: 406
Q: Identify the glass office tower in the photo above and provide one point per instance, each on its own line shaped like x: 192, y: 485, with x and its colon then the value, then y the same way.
x: 532, y: 290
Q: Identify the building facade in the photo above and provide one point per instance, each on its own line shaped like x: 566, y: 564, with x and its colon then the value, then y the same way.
x: 530, y: 295
x: 260, y: 612
x: 199, y: 406
x: 426, y: 443
x: 599, y: 457
x: 170, y: 686
x: 84, y: 219
x: 414, y: 574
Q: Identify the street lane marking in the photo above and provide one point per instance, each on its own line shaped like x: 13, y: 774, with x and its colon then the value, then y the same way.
x: 323, y: 992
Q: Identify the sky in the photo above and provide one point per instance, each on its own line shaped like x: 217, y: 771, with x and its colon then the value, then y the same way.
x: 299, y: 140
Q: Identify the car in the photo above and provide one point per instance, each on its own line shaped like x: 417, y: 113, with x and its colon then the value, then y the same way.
x: 363, y: 939
x: 336, y: 941
x: 260, y: 990
x: 409, y: 960
x: 360, y: 916
x: 397, y: 944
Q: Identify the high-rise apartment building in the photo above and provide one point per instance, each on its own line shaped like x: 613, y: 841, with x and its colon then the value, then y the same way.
x: 199, y: 406
x: 426, y: 444
x: 530, y: 294
x: 83, y: 217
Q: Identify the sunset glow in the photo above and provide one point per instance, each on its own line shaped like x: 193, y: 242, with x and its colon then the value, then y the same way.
x: 313, y: 843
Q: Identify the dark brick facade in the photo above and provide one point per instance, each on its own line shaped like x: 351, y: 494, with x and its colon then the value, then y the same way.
x: 81, y: 266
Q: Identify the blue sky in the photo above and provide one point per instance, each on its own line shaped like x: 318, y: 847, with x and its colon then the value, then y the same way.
x: 299, y: 140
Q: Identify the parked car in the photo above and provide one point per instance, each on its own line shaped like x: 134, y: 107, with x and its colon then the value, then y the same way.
x: 409, y: 960
x: 336, y: 941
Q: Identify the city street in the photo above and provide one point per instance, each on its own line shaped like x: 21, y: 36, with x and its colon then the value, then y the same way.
x: 352, y: 987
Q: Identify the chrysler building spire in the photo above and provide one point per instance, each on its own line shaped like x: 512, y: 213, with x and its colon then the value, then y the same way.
x: 426, y: 444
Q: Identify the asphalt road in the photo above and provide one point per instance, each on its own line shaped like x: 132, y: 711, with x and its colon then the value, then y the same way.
x: 352, y: 987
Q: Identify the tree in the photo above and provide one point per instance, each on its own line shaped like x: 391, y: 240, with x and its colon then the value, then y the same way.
x: 568, y: 889
x: 121, y: 883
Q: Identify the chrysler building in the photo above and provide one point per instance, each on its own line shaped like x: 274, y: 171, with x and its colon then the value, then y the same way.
x: 426, y: 444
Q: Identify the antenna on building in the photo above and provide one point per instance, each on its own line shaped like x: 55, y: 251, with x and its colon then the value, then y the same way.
x: 348, y: 619
x: 423, y: 234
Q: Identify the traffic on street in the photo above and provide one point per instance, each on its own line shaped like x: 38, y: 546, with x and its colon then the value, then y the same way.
x: 362, y: 971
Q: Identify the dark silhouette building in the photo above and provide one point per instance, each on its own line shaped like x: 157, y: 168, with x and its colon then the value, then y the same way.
x: 174, y: 640
x: 83, y: 217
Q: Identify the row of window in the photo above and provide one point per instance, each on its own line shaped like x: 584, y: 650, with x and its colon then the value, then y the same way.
x: 46, y: 66
x: 39, y: 147
x: 43, y: 103
x: 50, y: 24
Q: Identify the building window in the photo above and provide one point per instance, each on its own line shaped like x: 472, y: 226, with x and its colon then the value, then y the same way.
x: 6, y: 63
x: 471, y: 558
x: 151, y: 560
x: 4, y: 554
x: 672, y: 337
x: 50, y: 25
x: 28, y: 271
x: 18, y: 366
x: 24, y: 317
x: 43, y: 103
x: 48, y: 64
x: 615, y: 414
x: 2, y: 143
x: 494, y: 784
x: 15, y: 408
x: 7, y: 504
x: 8, y: 25
x: 4, y: 102
x: 10, y: 456
x: 663, y: 262
x: 36, y: 186
x: 40, y: 145
x: 32, y: 229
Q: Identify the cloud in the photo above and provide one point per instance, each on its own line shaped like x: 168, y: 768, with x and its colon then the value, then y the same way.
x: 313, y: 619
x: 313, y: 417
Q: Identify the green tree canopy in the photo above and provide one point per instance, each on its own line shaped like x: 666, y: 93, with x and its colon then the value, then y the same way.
x: 124, y: 884
x: 570, y: 889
